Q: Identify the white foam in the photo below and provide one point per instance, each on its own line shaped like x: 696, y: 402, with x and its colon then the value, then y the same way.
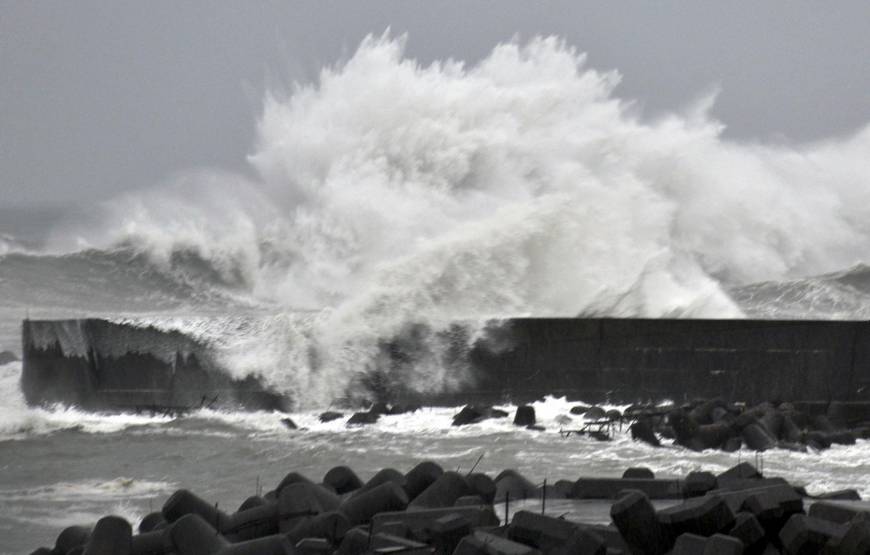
x: 19, y: 421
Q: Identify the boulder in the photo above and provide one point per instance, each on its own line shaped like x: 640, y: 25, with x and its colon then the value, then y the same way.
x: 525, y: 416
x: 329, y: 416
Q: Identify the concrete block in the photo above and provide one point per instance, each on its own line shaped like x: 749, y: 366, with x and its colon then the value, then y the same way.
x: 698, y: 483
x: 803, y: 535
x: 184, y: 502
x: 443, y: 492
x: 484, y: 543
x: 73, y: 536
x: 332, y: 526
x: 541, y: 531
x: 641, y: 472
x: 422, y: 519
x: 151, y: 543
x: 421, y: 477
x: 608, y: 488
x: 740, y: 471
x: 748, y: 530
x: 482, y: 485
x: 717, y: 544
x: 313, y: 546
x: 839, y: 512
x: 510, y: 482
x: 112, y: 535
x: 525, y: 416
x: 269, y: 545
x: 342, y: 479
x: 388, y: 496
x: 192, y: 535
x: 636, y: 520
x: 447, y: 531
x: 704, y: 516
x: 255, y: 522
x: 303, y: 500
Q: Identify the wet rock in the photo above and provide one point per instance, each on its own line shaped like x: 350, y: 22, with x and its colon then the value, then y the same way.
x: 756, y: 438
x: 642, y: 430
x: 289, y: 424
x: 594, y: 413
x: 6, y: 357
x: 578, y: 410
x: 525, y: 416
x: 329, y: 416
x: 404, y: 409
x: 363, y: 418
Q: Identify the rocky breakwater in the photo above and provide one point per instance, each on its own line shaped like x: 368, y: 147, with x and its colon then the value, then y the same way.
x: 430, y: 510
x: 718, y: 424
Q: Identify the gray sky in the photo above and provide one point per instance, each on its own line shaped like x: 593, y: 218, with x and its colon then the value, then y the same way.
x: 101, y: 97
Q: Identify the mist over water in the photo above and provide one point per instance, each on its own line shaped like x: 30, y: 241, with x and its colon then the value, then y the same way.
x: 389, y: 192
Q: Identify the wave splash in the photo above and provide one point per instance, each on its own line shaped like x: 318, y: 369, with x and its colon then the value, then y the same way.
x: 390, y: 192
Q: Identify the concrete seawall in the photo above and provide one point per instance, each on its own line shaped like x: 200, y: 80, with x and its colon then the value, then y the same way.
x: 97, y: 364
x: 100, y: 365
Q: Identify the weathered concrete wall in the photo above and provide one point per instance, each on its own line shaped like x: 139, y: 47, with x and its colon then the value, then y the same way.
x: 630, y: 360
x: 97, y: 364
x: 100, y: 365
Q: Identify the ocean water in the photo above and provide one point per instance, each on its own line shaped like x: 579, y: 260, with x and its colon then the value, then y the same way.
x: 388, y: 193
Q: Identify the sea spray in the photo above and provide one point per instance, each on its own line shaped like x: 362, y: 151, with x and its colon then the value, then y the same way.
x: 389, y: 193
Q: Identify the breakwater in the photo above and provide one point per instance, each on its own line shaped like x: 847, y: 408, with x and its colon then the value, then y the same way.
x: 430, y: 510
x: 104, y: 365
x: 99, y: 365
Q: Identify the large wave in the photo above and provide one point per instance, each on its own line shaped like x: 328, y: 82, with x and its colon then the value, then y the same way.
x: 389, y: 192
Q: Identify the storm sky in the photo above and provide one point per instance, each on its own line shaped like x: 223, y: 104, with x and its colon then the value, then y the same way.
x: 102, y: 97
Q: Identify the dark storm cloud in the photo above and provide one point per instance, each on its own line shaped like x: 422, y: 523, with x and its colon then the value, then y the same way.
x: 100, y: 97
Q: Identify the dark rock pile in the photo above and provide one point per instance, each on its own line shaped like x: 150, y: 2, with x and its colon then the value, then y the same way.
x: 428, y: 510
x: 716, y: 424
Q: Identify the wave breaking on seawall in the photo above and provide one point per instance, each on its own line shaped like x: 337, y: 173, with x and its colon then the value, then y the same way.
x: 389, y: 194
